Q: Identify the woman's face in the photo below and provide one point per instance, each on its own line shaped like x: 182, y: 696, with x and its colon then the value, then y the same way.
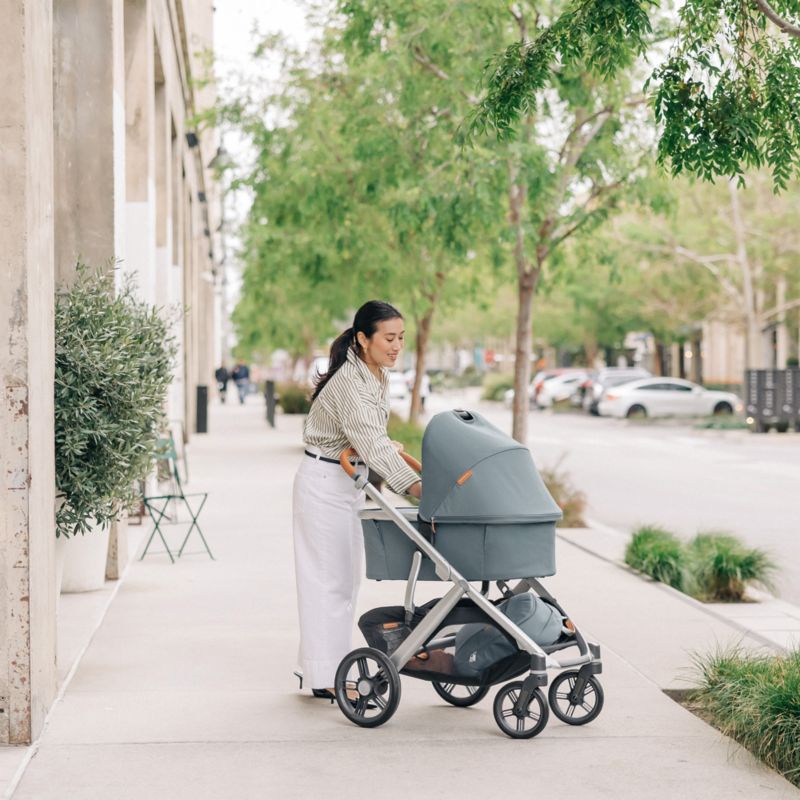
x: 384, y: 346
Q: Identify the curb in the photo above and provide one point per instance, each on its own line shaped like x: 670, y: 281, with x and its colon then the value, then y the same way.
x: 685, y: 598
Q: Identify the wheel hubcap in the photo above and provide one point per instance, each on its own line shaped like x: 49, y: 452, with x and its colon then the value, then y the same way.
x: 364, y: 687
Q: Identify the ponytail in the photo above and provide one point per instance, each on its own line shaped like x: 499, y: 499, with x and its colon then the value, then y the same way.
x: 366, y: 321
x: 338, y: 355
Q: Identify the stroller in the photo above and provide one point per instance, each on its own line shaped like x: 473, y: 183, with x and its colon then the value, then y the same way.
x: 485, y: 515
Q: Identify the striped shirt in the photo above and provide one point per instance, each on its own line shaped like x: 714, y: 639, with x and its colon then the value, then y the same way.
x: 352, y: 410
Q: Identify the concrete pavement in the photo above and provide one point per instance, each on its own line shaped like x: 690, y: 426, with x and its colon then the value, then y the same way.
x: 186, y: 689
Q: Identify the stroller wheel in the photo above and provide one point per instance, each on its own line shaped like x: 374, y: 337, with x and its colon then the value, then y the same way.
x: 575, y: 701
x: 377, y: 684
x: 461, y: 696
x: 519, y: 723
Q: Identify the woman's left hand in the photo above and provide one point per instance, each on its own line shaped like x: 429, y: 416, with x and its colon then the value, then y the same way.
x: 398, y: 446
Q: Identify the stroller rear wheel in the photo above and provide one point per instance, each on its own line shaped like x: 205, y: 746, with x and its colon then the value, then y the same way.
x: 377, y: 684
x: 575, y: 700
x: 461, y: 696
x: 516, y: 721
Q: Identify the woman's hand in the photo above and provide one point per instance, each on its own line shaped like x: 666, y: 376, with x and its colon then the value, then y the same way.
x: 399, y: 446
x: 415, y: 490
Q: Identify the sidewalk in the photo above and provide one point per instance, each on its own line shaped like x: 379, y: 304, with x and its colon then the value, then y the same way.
x: 186, y: 689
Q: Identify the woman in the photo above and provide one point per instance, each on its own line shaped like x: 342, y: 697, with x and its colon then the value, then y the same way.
x: 349, y: 408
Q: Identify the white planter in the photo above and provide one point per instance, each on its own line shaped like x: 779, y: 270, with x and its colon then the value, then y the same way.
x: 84, y: 560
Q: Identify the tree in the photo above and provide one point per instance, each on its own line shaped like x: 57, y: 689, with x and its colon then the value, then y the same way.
x: 357, y: 193
x: 727, y: 96
x: 741, y: 246
x: 570, y: 165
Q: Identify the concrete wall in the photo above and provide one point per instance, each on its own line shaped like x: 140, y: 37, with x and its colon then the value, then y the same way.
x: 27, y: 518
x: 94, y: 165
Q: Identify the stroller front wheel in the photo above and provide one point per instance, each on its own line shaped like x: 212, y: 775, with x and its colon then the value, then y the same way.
x: 517, y: 722
x: 461, y: 696
x: 376, y: 683
x: 576, y: 700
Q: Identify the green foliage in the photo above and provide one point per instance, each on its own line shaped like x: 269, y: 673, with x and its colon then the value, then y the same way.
x: 755, y: 699
x: 605, y: 34
x: 294, y: 398
x: 570, y: 500
x: 720, y: 567
x: 712, y: 567
x: 657, y: 553
x: 725, y: 98
x: 113, y: 365
x: 409, y: 433
x: 495, y: 385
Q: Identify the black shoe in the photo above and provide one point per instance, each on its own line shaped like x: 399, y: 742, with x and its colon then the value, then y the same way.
x: 324, y: 694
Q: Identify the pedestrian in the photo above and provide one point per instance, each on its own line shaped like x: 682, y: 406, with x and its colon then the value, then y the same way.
x: 241, y: 377
x: 349, y: 408
x: 222, y: 376
x: 424, y: 389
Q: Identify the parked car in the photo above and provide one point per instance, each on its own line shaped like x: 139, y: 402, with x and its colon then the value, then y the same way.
x: 666, y: 397
x: 603, y: 379
x: 398, y: 388
x: 539, y: 379
x: 559, y: 388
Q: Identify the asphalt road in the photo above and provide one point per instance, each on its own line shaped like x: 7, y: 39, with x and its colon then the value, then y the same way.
x: 670, y: 474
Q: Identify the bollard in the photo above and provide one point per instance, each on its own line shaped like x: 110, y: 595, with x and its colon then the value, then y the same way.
x: 271, y: 400
x: 201, y: 424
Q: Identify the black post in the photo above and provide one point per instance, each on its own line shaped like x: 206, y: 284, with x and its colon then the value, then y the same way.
x: 270, y: 397
x: 202, y: 410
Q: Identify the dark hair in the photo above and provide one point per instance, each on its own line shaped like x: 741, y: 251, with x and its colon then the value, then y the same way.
x: 365, y: 321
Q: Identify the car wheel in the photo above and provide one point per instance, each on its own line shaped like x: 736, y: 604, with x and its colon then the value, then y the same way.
x: 636, y: 412
x: 723, y: 408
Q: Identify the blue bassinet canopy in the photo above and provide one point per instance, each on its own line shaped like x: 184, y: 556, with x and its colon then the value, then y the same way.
x: 473, y: 472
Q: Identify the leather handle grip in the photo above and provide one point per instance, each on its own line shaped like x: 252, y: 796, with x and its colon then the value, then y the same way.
x: 344, y: 460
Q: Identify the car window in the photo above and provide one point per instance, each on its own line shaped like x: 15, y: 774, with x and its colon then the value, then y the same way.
x: 652, y: 387
x: 678, y: 387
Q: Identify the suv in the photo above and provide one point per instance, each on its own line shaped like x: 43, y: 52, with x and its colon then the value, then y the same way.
x: 606, y: 378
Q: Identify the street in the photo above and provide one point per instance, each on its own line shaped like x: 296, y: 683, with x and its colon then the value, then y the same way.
x: 670, y: 474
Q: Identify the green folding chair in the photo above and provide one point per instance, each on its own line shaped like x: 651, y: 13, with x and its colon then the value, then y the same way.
x: 158, y: 505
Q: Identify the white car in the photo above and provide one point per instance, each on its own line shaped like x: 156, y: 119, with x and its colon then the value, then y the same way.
x: 560, y: 388
x: 666, y: 397
x: 398, y: 388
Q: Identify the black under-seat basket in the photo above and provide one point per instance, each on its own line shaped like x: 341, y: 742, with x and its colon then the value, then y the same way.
x: 386, y: 629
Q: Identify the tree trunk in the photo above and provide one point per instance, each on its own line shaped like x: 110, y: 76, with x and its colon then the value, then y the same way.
x: 423, y: 335
x: 754, y: 348
x: 526, y: 286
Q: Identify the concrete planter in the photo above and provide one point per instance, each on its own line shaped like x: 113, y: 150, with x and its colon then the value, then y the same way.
x: 84, y: 560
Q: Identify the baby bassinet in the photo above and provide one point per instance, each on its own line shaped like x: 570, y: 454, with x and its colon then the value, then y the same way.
x: 484, y: 507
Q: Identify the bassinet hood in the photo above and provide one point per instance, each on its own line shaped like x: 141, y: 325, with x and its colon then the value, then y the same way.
x: 474, y: 472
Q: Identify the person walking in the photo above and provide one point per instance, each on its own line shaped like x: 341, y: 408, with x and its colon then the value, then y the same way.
x: 241, y: 377
x: 222, y: 377
x: 349, y: 408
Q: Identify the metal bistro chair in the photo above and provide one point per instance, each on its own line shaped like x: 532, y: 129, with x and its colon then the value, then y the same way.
x: 157, y: 505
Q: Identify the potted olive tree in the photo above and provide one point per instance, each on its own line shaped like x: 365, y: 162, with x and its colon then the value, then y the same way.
x: 113, y: 365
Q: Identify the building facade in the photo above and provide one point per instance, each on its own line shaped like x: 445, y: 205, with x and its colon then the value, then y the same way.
x: 102, y: 161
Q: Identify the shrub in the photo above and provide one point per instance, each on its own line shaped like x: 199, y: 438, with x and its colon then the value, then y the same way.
x: 721, y: 566
x: 755, y: 699
x: 657, y: 553
x: 408, y: 433
x: 294, y: 398
x: 113, y: 365
x: 495, y: 386
x: 570, y: 500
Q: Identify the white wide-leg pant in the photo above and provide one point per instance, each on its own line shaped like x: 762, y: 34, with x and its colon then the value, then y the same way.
x: 328, y: 554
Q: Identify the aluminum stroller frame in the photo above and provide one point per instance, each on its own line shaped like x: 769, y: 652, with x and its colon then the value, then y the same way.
x: 512, y: 707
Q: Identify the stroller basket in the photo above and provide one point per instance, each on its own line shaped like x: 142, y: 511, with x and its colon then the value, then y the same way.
x: 478, y: 551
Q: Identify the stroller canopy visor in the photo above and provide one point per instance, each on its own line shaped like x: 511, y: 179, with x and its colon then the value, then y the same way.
x: 474, y: 472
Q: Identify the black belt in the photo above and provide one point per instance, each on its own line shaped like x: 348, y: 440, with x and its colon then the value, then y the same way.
x: 331, y: 460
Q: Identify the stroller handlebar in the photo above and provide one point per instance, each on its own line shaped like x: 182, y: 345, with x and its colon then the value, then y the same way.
x: 344, y: 460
